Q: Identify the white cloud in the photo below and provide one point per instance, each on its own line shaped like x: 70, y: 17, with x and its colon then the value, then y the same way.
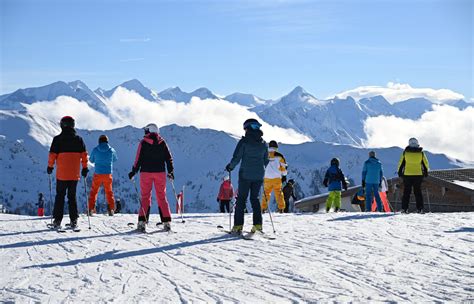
x: 395, y: 92
x: 129, y: 108
x: 445, y: 130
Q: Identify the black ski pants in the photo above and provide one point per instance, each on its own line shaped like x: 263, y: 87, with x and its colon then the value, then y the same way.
x: 63, y: 187
x: 246, y: 186
x: 224, y: 206
x: 414, y: 182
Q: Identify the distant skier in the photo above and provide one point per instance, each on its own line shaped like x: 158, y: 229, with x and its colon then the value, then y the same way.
x: 359, y: 200
x: 103, y: 156
x: 118, y: 205
x: 334, y: 179
x: 252, y: 152
x: 226, y: 193
x: 372, y: 174
x: 151, y: 158
x: 383, y: 189
x: 412, y: 167
x: 275, y: 176
x: 40, y: 204
x: 288, y: 192
x: 68, y: 151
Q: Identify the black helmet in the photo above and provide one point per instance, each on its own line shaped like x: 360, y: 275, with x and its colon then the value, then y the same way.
x: 67, y: 122
x: 103, y: 138
x: 291, y: 181
x: 335, y: 161
x: 252, y: 123
x: 273, y: 144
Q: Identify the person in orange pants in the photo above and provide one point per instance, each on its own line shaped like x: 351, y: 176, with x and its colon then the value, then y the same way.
x: 103, y: 156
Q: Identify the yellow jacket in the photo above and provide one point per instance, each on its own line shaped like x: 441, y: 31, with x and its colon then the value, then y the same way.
x: 413, y: 162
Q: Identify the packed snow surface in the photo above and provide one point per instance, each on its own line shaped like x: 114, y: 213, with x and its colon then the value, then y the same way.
x: 334, y: 257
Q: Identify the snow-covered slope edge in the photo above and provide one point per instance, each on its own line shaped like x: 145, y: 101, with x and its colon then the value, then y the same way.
x: 361, y: 258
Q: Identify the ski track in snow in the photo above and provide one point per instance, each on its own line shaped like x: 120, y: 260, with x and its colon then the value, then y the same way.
x: 335, y: 257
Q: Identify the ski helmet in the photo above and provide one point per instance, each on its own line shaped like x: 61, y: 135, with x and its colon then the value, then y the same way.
x: 335, y: 161
x: 273, y: 144
x: 226, y: 177
x: 252, y: 123
x: 413, y: 142
x: 151, y: 128
x: 67, y: 122
x: 103, y: 138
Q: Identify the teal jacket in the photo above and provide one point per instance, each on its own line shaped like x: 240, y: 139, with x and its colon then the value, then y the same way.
x: 252, y: 152
x: 103, y: 156
x: 372, y: 172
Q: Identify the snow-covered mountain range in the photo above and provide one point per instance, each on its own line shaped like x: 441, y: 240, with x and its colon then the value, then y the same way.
x: 200, y: 156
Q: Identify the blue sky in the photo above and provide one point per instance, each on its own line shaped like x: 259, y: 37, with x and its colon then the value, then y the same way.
x: 260, y: 47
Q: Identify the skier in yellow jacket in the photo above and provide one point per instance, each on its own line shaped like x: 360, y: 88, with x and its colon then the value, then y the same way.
x: 275, y: 176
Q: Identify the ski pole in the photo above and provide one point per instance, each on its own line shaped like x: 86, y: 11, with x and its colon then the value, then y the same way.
x: 268, y: 208
x: 138, y: 200
x: 50, y: 198
x: 230, y: 207
x: 181, y: 207
x: 87, y: 205
x: 428, y: 198
x: 176, y: 198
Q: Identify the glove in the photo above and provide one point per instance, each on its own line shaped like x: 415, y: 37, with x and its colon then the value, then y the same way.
x: 218, y: 200
x: 227, y: 168
x: 345, y: 187
x: 50, y: 170
x: 131, y: 174
x: 171, y: 175
x: 283, y: 178
x: 363, y: 184
x: 84, y: 172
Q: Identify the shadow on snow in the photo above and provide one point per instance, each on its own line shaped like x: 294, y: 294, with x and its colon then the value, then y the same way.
x: 362, y: 216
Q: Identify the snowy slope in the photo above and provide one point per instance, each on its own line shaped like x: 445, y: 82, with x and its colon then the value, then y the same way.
x: 362, y: 258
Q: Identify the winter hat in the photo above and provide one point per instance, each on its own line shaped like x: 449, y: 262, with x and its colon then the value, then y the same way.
x: 273, y: 144
x: 335, y: 161
x: 372, y: 154
x: 252, y: 123
x: 413, y: 142
x: 151, y: 128
x: 103, y: 138
x: 67, y: 122
x: 226, y: 177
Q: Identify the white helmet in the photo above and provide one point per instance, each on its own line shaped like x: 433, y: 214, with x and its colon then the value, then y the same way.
x: 413, y: 142
x: 151, y: 128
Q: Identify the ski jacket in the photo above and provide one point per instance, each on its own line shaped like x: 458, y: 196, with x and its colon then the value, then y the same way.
x: 372, y: 172
x: 103, y: 156
x: 252, y: 152
x: 152, y: 155
x: 334, y: 179
x: 276, y: 167
x: 226, y: 191
x: 68, y: 151
x: 413, y: 162
x: 288, y: 192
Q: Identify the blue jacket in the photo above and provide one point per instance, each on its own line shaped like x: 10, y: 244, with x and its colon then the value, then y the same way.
x: 334, y: 179
x: 253, y: 152
x: 103, y: 156
x: 372, y: 172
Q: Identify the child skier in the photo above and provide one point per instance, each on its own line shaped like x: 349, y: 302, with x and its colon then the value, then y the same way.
x: 40, y: 204
x: 252, y: 152
x: 335, y: 181
x: 372, y: 174
x: 67, y: 151
x: 226, y: 193
x: 275, y: 175
x: 152, y: 156
x: 288, y: 192
x: 103, y: 156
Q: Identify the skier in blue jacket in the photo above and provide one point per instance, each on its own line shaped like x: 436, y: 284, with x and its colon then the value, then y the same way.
x: 372, y: 174
x: 334, y: 179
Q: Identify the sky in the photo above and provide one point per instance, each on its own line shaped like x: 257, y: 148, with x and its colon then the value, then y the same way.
x: 261, y: 47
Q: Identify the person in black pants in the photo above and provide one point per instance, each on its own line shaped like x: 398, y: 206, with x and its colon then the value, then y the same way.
x: 288, y: 192
x: 68, y: 152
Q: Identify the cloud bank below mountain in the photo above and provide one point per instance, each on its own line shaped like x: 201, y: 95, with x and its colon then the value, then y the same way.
x: 445, y: 130
x: 129, y: 108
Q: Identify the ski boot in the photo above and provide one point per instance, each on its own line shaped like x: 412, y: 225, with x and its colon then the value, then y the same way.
x: 111, y: 212
x: 237, y: 230
x: 256, y: 228
x: 336, y: 209
x: 91, y: 212
x: 405, y: 211
x: 167, y: 226
x: 327, y: 209
x: 56, y: 225
x: 141, y: 226
x: 421, y: 211
x: 73, y: 224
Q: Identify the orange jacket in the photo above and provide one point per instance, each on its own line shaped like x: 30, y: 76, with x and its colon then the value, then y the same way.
x: 68, y: 151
